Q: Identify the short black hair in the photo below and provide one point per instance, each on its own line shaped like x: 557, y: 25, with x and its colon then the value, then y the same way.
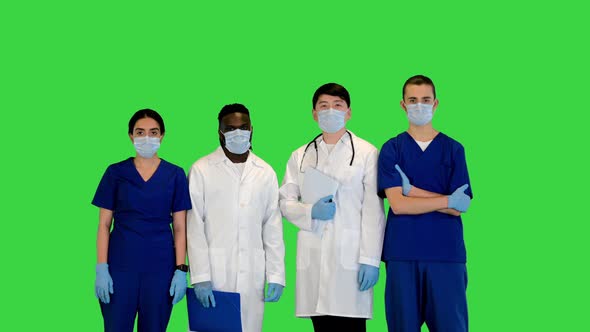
x: 418, y: 80
x: 146, y: 113
x: 332, y: 89
x: 232, y: 108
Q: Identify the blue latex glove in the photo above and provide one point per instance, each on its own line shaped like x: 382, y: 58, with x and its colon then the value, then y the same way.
x: 368, y: 276
x: 273, y: 292
x: 178, y: 286
x: 458, y: 200
x: 204, y: 293
x: 406, y: 186
x: 103, y: 285
x: 324, y: 208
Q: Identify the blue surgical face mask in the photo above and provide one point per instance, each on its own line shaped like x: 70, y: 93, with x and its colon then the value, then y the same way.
x: 419, y: 114
x: 146, y: 146
x: 237, y: 141
x: 331, y: 120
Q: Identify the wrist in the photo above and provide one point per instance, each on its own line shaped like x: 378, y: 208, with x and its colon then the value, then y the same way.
x: 182, y: 268
x: 102, y: 267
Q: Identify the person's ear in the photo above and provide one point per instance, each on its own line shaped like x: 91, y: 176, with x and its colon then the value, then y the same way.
x: 131, y: 137
x: 435, y: 105
x: 161, y: 138
x: 221, y: 137
x: 315, y: 114
x: 403, y: 106
x: 348, y: 114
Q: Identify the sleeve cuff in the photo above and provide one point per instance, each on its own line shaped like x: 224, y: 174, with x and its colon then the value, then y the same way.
x: 275, y: 279
x: 200, y: 278
x: 370, y: 261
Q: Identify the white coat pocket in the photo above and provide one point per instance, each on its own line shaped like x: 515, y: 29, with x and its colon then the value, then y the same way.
x: 349, y: 249
x: 218, y: 274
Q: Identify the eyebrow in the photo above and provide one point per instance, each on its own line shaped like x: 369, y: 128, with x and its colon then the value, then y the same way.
x: 240, y: 126
x: 158, y: 129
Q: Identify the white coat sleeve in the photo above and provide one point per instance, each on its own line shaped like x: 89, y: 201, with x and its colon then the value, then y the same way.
x: 372, y: 216
x: 272, y: 236
x: 292, y: 208
x: 198, y: 249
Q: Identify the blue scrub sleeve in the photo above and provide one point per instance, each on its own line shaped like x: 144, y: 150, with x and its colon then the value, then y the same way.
x: 459, y: 175
x: 182, y: 198
x: 387, y: 175
x: 105, y: 195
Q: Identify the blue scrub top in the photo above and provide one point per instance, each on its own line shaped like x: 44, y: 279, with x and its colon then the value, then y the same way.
x: 141, y: 239
x: 441, y: 168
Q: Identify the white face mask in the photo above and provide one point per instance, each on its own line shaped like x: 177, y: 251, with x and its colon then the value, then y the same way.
x: 331, y: 120
x: 419, y: 114
x: 146, y: 146
x: 237, y: 141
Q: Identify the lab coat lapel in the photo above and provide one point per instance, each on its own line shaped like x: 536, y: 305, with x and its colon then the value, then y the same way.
x: 247, y: 167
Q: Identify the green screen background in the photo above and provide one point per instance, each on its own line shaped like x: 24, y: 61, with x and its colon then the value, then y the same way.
x: 512, y: 80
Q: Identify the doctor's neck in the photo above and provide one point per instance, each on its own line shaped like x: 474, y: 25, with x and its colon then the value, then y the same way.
x: 422, y: 133
x: 235, y: 158
x: 141, y: 161
x: 333, y: 138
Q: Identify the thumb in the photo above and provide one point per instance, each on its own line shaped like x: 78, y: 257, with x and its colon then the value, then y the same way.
x: 397, y: 167
x: 212, y: 300
x: 327, y: 198
x: 463, y: 187
x: 111, y: 287
x: 172, y: 289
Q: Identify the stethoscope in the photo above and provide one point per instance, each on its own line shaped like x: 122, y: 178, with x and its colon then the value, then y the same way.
x: 315, y: 146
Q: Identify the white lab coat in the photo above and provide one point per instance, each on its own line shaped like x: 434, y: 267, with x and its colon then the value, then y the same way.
x: 235, y: 231
x: 328, y: 263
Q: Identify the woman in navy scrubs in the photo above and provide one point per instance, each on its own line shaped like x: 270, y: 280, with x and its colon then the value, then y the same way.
x: 141, y: 264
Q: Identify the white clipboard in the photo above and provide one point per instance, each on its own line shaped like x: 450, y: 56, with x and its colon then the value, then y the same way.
x: 317, y: 185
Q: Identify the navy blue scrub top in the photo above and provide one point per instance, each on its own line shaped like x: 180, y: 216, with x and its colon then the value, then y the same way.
x: 141, y: 239
x: 441, y: 168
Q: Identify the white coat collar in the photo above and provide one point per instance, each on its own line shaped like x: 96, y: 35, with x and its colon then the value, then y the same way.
x: 344, y: 139
x: 219, y: 156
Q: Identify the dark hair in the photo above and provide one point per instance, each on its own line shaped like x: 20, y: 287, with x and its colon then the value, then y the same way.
x: 332, y: 89
x: 232, y: 108
x: 146, y: 113
x: 418, y: 80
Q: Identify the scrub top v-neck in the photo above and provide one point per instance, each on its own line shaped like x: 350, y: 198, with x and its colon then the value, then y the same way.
x: 441, y: 168
x: 141, y: 239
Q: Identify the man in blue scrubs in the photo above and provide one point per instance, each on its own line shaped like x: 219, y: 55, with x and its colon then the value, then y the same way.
x: 423, y: 175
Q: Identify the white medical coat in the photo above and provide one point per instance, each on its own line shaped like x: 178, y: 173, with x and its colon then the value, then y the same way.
x: 328, y: 263
x: 235, y: 231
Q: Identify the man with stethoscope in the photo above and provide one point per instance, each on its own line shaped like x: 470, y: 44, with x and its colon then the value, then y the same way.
x: 341, y: 236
